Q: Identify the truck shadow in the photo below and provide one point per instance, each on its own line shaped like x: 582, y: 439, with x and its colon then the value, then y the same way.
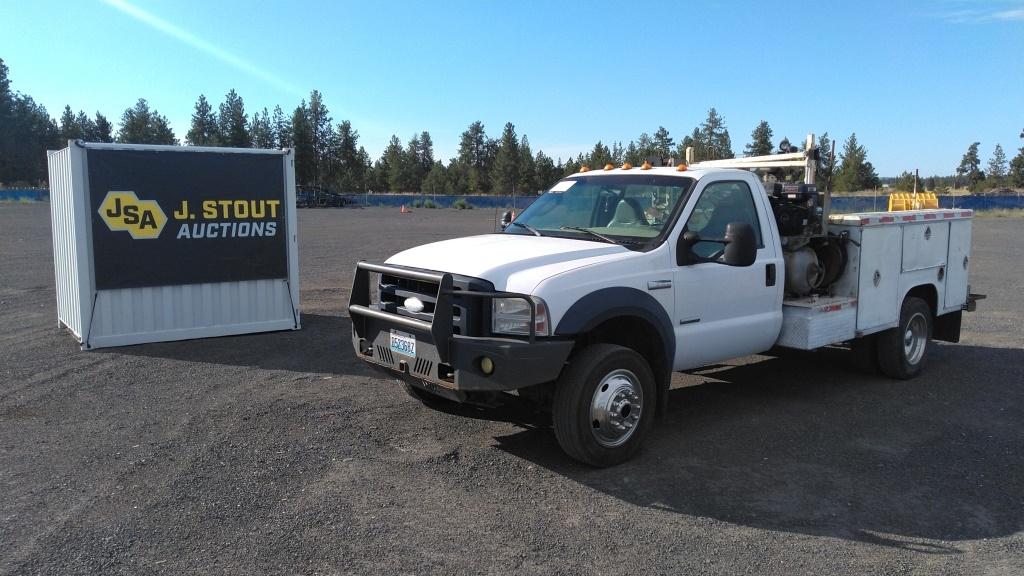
x: 321, y: 346
x: 796, y: 443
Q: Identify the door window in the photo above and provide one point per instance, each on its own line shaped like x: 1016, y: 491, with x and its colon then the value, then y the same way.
x: 719, y: 204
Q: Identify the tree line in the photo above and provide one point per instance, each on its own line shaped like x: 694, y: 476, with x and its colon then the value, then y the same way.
x: 329, y: 155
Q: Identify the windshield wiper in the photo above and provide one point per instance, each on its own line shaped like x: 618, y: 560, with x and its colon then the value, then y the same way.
x: 528, y: 227
x: 601, y: 237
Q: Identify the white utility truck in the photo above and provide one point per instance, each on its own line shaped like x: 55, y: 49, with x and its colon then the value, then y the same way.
x: 614, y: 278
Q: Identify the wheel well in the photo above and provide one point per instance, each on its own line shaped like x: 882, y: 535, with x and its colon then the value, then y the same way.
x: 928, y: 293
x: 637, y: 334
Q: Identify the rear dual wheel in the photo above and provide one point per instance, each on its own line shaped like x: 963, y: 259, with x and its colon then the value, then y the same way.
x: 604, y: 405
x: 902, y: 351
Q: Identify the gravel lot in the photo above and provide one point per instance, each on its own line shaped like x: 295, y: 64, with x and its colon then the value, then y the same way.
x: 281, y: 453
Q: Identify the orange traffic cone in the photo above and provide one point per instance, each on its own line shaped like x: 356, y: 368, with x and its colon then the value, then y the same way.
x: 404, y: 211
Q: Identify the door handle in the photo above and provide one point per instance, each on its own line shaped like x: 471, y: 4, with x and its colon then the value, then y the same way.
x: 769, y: 274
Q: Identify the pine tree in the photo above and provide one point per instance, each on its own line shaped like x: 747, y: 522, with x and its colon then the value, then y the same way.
x: 436, y: 180
x: 855, y: 172
x: 412, y: 173
x: 826, y: 164
x: 394, y: 160
x: 632, y: 154
x: 323, y: 136
x: 696, y: 141
x: 1016, y: 172
x: 26, y: 132
x: 260, y: 130
x: 905, y: 182
x: 527, y: 168
x: 760, y: 141
x: 6, y: 98
x: 547, y: 172
x: 426, y: 155
x: 475, y: 156
x: 300, y: 134
x: 282, y: 128
x: 714, y: 137
x: 506, y: 163
x: 351, y: 167
x: 600, y: 156
x: 204, y: 130
x: 663, y: 143
x: 646, y: 149
x: 104, y: 130
x: 233, y: 122
x: 86, y: 125
x: 69, y: 130
x: 970, y: 167
x: 140, y: 125
x: 997, y: 167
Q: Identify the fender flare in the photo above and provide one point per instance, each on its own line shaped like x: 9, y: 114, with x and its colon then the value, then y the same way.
x: 607, y: 303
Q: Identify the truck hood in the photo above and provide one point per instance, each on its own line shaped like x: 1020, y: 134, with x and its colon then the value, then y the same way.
x: 512, y: 262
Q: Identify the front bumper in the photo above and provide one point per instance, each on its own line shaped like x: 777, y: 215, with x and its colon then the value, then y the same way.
x: 443, y: 359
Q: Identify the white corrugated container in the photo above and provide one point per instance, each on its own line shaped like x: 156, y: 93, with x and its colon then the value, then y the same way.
x: 175, y: 311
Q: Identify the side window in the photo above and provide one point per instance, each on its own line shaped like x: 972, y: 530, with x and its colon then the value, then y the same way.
x: 719, y: 204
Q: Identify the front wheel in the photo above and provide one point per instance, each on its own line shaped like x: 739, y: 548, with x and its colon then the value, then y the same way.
x: 604, y: 405
x: 902, y: 350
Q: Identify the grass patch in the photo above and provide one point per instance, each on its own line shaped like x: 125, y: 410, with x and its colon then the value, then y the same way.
x: 462, y: 204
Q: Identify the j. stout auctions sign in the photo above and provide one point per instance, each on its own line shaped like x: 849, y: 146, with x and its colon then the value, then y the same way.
x: 177, y: 217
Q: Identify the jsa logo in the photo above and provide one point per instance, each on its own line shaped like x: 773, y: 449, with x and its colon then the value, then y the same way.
x: 123, y: 211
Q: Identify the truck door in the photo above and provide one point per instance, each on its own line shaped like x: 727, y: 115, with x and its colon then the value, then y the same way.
x: 724, y: 311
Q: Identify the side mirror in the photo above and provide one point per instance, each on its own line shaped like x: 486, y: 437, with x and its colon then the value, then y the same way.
x: 506, y: 219
x: 740, y: 244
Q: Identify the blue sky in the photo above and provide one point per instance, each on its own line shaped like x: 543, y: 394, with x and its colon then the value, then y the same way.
x: 917, y: 81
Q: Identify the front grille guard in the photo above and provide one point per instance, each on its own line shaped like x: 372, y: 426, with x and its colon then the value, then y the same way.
x: 440, y: 326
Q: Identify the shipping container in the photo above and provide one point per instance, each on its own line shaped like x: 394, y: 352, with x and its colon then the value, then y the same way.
x: 156, y: 243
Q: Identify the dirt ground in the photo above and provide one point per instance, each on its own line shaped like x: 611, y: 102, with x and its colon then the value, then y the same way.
x: 281, y: 453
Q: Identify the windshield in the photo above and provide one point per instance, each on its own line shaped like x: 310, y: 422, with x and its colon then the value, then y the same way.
x: 626, y: 209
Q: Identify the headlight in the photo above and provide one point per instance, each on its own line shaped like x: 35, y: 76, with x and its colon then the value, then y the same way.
x: 512, y: 316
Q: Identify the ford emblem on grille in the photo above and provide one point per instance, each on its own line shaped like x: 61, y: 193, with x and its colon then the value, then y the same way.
x: 414, y: 304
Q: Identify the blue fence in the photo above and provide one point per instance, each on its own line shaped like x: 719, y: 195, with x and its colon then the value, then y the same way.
x: 20, y: 194
x: 847, y: 204
x: 840, y: 204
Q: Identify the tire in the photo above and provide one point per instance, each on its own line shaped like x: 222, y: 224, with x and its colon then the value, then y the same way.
x: 604, y: 405
x: 902, y: 351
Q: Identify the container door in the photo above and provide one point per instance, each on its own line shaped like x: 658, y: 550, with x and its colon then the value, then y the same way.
x: 924, y: 245
x: 878, y: 303
x: 959, y: 263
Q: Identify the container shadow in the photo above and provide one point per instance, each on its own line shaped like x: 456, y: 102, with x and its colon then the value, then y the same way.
x: 798, y: 444
x: 321, y: 346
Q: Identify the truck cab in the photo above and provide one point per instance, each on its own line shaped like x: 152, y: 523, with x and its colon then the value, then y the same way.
x: 606, y: 284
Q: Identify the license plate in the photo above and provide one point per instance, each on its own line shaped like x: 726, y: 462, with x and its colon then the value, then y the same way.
x: 402, y: 343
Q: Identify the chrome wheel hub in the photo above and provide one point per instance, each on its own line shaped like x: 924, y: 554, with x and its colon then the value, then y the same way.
x: 616, y: 408
x: 915, y: 338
